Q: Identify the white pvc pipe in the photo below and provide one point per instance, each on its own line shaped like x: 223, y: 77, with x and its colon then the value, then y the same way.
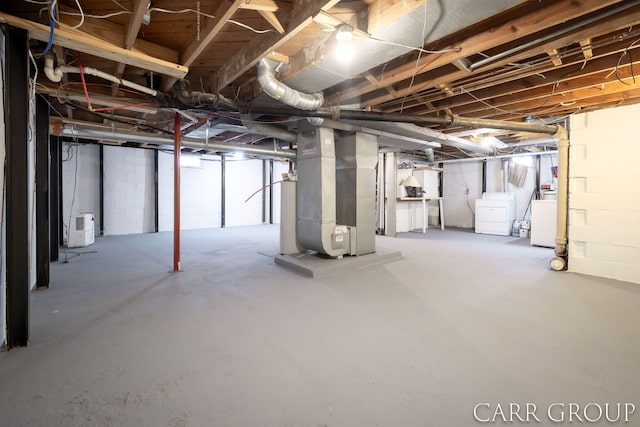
x: 55, y: 75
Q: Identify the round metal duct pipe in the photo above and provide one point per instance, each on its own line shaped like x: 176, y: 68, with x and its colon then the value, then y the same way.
x: 283, y: 93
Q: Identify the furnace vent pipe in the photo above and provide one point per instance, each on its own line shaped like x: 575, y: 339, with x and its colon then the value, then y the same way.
x: 559, y: 262
x: 55, y: 75
x: 283, y: 93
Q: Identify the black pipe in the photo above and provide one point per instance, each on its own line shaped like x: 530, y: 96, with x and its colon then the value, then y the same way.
x: 447, y: 121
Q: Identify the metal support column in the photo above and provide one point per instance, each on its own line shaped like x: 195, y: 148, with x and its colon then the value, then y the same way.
x: 264, y: 189
x: 54, y: 197
x: 222, y: 190
x: 270, y: 191
x: 176, y: 193
x: 484, y: 176
x: 156, y: 192
x: 17, y: 188
x: 101, y: 191
x: 42, y: 193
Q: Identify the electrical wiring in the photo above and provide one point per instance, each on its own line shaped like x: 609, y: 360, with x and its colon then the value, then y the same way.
x: 158, y: 9
x: 84, y: 84
x: 113, y: 119
x: 50, y: 105
x: 423, y: 38
x: 240, y: 24
x: 53, y: 15
x: 418, y: 49
x: 52, y: 26
x: 197, y: 12
x: 87, y: 15
x: 624, y: 53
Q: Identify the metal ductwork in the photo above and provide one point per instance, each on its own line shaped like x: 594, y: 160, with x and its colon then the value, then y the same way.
x: 283, y: 93
x: 197, y: 98
x: 268, y: 130
x: 165, y: 142
x: 316, y: 195
x: 336, y: 192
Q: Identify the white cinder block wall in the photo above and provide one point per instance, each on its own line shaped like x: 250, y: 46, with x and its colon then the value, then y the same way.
x: 200, y: 194
x: 80, y: 182
x: 243, y: 177
x: 604, y: 194
x: 129, y: 199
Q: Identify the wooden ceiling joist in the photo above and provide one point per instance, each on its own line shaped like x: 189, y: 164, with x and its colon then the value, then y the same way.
x: 611, y: 26
x: 301, y: 15
x: 131, y: 34
x: 86, y: 43
x: 555, y: 14
x: 222, y: 15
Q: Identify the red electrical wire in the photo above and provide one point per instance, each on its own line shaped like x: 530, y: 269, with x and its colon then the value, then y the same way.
x: 262, y: 189
x: 84, y: 84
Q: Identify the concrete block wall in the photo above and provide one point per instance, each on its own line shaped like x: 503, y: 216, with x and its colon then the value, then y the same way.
x: 243, y: 177
x: 129, y: 199
x: 604, y: 195
x: 200, y: 194
x: 80, y: 182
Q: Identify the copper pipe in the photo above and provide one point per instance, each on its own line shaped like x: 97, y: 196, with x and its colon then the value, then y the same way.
x: 176, y: 193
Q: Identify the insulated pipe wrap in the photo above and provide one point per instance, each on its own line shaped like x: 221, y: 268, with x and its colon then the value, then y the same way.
x: 283, y: 93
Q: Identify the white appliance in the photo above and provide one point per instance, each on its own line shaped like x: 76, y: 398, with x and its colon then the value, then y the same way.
x: 543, y: 222
x: 81, y: 231
x: 495, y: 213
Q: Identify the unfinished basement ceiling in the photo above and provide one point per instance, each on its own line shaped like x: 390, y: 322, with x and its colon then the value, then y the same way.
x: 511, y: 60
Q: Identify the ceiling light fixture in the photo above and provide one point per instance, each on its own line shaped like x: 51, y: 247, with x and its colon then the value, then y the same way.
x: 344, y: 33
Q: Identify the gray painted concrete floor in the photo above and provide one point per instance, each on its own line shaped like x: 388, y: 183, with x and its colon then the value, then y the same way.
x: 235, y: 340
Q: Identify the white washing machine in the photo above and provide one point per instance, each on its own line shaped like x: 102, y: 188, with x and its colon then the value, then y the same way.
x: 495, y: 213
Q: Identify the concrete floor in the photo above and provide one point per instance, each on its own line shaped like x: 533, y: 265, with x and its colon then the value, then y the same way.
x: 235, y: 340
